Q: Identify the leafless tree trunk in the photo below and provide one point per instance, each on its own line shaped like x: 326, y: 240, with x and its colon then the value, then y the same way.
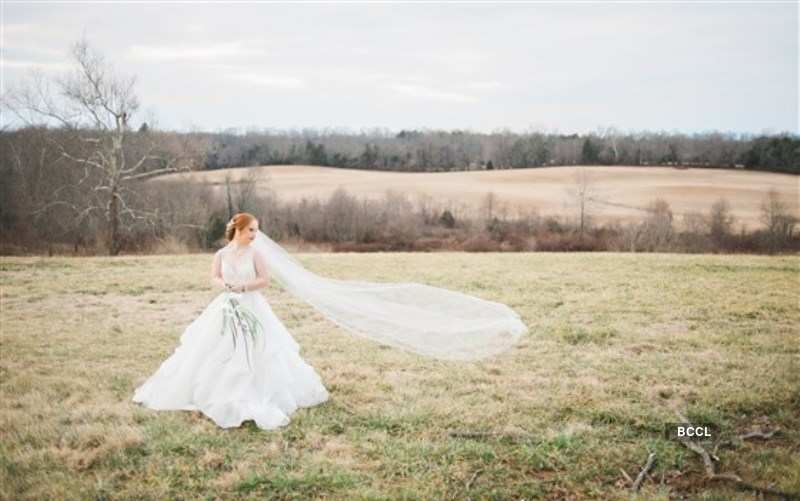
x: 489, y: 201
x: 92, y: 107
x: 778, y: 220
x: 581, y: 194
x: 720, y: 221
x: 611, y: 135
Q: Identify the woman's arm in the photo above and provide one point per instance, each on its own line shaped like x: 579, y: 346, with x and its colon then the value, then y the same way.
x: 262, y: 274
x: 216, y: 273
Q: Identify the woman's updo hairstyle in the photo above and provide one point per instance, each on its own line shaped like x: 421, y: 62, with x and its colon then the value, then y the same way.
x: 240, y: 220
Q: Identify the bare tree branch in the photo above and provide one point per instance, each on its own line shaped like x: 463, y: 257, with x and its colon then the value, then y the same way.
x: 151, y: 173
x: 651, y: 458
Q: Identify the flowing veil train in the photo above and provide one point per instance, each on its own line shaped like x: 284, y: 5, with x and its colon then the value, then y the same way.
x: 430, y: 321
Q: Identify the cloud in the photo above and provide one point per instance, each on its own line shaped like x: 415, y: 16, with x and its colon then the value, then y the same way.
x: 20, y: 29
x: 654, y: 66
x: 269, y: 80
x: 195, y: 28
x: 418, y: 91
x: 35, y: 65
x: 415, y: 78
x: 194, y: 52
x: 460, y: 60
x: 493, y: 85
x: 351, y: 75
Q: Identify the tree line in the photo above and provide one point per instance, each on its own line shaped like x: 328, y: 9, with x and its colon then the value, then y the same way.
x: 430, y: 150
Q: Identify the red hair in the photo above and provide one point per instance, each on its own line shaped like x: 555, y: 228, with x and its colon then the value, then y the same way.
x: 240, y: 220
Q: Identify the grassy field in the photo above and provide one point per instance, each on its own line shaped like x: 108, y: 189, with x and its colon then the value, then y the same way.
x: 622, y: 192
x: 617, y: 341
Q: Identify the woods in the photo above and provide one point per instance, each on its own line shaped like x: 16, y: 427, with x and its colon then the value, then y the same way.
x: 439, y: 150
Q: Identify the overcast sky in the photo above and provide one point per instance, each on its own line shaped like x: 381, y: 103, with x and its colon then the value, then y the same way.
x: 568, y: 67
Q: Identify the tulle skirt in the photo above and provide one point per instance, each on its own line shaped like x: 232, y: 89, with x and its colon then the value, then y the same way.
x: 267, y: 382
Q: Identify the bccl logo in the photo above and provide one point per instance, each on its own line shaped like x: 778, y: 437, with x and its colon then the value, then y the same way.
x: 698, y: 432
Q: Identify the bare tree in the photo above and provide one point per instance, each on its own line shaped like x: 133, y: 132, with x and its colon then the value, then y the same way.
x: 244, y: 197
x: 720, y: 221
x: 92, y: 109
x: 656, y: 230
x: 582, y: 197
x: 340, y: 216
x: 611, y: 135
x: 778, y: 220
x: 488, y: 205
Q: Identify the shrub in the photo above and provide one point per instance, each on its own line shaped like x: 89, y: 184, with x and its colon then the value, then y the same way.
x: 447, y: 220
x: 568, y: 242
x: 720, y: 222
x: 480, y: 243
x: 777, y: 219
x: 427, y: 244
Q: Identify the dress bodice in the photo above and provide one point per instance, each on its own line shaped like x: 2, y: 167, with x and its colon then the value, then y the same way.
x: 238, y: 269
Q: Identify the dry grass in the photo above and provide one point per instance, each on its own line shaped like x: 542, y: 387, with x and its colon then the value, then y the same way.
x: 616, y: 341
x: 626, y: 191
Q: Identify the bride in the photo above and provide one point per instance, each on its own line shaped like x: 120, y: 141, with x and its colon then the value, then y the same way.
x: 236, y: 361
x: 259, y: 376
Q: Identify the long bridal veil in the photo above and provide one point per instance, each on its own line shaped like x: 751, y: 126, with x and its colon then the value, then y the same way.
x: 430, y: 321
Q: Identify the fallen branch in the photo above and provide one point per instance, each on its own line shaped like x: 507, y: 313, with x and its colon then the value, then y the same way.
x: 712, y: 475
x: 759, y: 434
x: 639, y: 478
x: 627, y: 477
x: 746, y: 436
x: 472, y: 479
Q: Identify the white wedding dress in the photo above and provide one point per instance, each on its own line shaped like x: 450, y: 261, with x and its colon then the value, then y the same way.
x: 206, y: 373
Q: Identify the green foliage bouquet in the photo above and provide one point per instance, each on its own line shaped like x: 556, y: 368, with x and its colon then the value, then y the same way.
x: 240, y: 322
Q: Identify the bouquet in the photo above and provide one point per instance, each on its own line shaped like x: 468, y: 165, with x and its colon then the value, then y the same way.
x: 240, y: 322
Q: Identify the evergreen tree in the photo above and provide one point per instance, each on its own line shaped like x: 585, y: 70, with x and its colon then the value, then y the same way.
x: 590, y: 153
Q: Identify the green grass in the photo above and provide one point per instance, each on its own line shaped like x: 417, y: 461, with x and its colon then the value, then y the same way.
x: 616, y: 342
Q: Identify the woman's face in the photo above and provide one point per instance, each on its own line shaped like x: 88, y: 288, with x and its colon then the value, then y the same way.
x: 247, y: 235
